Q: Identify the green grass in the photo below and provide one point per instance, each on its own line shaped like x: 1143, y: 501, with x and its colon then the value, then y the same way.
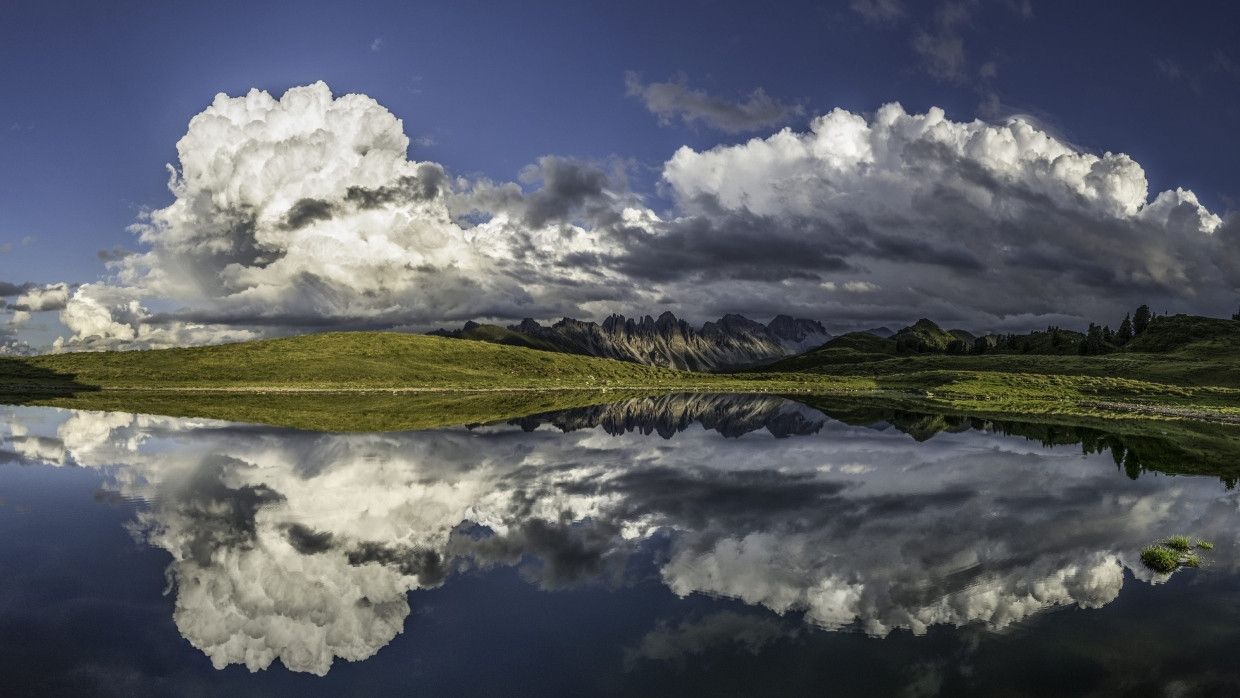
x: 1179, y: 543
x: 502, y: 335
x: 1168, y: 555
x: 1197, y: 378
x: 1160, y: 558
x: 335, y: 360
x: 335, y: 411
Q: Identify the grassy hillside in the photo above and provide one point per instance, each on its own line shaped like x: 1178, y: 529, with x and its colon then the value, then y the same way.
x: 340, y: 359
x: 1189, y: 336
x: 924, y: 335
x: 1181, y: 368
x: 502, y: 335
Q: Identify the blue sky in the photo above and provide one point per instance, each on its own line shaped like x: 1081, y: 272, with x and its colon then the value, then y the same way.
x: 97, y: 95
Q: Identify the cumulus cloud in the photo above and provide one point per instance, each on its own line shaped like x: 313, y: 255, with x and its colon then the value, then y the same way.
x: 676, y: 100
x: 305, y: 213
x: 43, y: 298
x: 10, y: 343
x: 306, y: 210
x: 942, y: 210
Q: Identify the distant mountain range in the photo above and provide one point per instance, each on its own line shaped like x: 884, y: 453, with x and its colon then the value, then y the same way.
x: 731, y: 342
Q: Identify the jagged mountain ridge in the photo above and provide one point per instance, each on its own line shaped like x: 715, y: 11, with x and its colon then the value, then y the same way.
x: 668, y: 341
x: 730, y: 415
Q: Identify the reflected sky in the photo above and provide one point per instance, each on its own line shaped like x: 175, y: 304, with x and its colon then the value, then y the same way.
x: 304, y: 548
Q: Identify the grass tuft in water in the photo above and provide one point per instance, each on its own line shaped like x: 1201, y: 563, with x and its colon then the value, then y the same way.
x: 1204, y: 545
x: 1160, y: 558
x: 1179, y: 543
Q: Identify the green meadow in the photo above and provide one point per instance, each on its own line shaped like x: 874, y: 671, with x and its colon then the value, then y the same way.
x: 1182, y: 368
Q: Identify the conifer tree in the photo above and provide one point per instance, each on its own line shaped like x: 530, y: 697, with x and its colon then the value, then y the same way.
x: 1140, y: 320
x: 1093, y: 341
x: 1124, y: 333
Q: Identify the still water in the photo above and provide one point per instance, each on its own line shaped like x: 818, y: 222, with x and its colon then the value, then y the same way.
x: 719, y: 545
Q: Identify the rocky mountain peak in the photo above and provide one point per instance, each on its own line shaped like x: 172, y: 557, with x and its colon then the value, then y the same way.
x: 733, y: 340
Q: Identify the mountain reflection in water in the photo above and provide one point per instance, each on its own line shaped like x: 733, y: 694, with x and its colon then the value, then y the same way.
x: 303, y: 546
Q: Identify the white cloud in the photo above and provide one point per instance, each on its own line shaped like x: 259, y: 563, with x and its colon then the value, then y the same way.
x: 305, y: 212
x: 1008, y: 205
x: 43, y: 298
x: 305, y: 209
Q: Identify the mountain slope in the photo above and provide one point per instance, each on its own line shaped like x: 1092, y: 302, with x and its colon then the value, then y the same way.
x: 331, y: 360
x: 670, y: 342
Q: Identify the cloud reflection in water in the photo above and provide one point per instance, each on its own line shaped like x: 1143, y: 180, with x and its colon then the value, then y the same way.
x: 302, y: 546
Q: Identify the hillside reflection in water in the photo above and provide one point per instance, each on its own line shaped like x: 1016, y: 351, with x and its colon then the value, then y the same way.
x: 303, y: 547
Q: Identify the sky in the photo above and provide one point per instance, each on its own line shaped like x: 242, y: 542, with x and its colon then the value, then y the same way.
x: 188, y: 173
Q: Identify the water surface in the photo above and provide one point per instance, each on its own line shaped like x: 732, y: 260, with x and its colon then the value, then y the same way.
x: 717, y: 544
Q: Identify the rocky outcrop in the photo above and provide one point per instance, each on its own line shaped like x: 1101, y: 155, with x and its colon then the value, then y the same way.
x: 665, y: 415
x: 732, y: 341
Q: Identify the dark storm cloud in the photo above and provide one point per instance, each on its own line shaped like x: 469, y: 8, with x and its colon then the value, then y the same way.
x: 566, y: 191
x: 951, y: 256
x: 116, y: 254
x: 567, y: 186
x: 224, y: 515
x: 569, y: 553
x: 11, y: 289
x: 307, y: 211
x: 430, y: 182
x: 426, y: 565
x: 738, y: 245
x: 307, y: 541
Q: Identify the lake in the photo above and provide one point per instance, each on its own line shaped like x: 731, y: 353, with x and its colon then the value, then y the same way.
x: 687, y: 544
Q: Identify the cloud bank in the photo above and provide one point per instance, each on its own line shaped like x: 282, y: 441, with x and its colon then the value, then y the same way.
x: 305, y: 213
